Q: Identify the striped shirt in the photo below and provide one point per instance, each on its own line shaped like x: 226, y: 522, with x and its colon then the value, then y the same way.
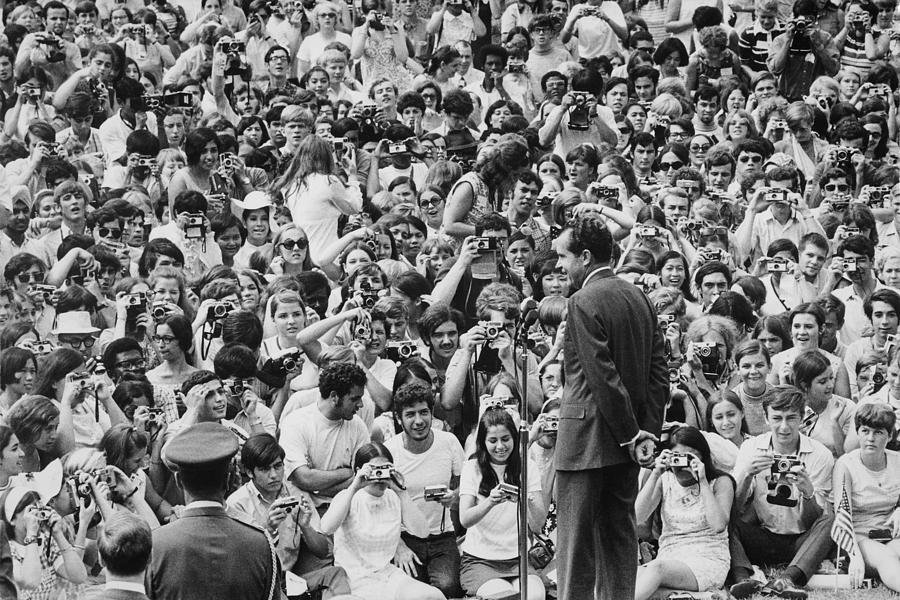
x: 854, y: 54
x: 753, y: 45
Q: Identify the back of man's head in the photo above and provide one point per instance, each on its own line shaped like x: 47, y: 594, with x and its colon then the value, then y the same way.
x: 125, y: 543
x: 591, y: 234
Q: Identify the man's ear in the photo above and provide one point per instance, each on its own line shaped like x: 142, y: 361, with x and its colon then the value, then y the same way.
x: 586, y: 257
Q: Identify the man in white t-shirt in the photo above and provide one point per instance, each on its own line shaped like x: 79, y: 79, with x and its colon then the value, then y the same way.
x: 320, y: 440
x: 430, y: 462
x: 599, y: 26
x: 580, y: 118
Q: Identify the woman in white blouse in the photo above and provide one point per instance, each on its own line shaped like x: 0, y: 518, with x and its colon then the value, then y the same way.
x: 315, y: 197
x: 366, y: 519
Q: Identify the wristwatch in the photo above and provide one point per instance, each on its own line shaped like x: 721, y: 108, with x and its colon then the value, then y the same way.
x: 30, y: 539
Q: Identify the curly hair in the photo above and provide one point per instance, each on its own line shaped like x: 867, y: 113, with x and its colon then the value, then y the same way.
x: 713, y: 37
x: 498, y: 296
x: 340, y: 378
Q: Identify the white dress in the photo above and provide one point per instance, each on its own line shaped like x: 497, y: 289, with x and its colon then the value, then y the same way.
x: 312, y: 207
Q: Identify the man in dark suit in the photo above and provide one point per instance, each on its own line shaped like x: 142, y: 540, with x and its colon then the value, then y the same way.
x: 616, y: 390
x: 125, y: 551
x: 205, y: 554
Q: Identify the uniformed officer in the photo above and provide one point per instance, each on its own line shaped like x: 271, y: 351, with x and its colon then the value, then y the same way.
x: 205, y: 554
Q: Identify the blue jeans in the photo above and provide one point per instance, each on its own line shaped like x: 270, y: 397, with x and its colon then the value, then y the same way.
x: 440, y: 561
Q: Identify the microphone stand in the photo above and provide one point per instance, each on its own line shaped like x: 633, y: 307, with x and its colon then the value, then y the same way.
x: 520, y: 349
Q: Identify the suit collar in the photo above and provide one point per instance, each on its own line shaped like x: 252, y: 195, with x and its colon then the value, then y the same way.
x: 598, y: 273
x: 204, y: 511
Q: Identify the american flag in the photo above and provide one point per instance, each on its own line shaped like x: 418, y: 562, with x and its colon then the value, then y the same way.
x: 842, y: 529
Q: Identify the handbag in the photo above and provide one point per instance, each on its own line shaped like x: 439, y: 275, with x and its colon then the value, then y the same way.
x: 541, y: 552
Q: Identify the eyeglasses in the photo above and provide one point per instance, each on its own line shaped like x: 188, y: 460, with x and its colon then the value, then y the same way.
x: 751, y: 159
x: 837, y: 187
x: 300, y: 243
x: 163, y: 339
x: 115, y: 234
x: 76, y: 341
x: 542, y: 30
x: 278, y: 58
x: 131, y: 365
x: 678, y: 134
x: 29, y: 276
x: 425, y: 203
x: 700, y: 147
x: 666, y: 166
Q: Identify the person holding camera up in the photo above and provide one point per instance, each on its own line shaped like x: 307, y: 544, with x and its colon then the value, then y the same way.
x: 190, y: 230
x: 580, y: 118
x: 489, y: 492
x: 430, y: 462
x: 366, y: 521
x: 694, y: 499
x: 802, y: 53
x: 785, y: 478
x: 268, y: 502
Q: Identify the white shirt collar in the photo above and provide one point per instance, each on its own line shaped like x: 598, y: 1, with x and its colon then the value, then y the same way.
x: 126, y: 586
x: 203, y: 504
x: 593, y: 273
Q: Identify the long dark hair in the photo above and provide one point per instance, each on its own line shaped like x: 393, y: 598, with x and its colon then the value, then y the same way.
x: 55, y: 367
x: 690, y: 436
x: 494, y: 417
x: 686, y: 284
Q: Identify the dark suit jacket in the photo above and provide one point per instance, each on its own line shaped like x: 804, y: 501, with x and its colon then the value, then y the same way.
x: 616, y: 374
x: 207, y: 555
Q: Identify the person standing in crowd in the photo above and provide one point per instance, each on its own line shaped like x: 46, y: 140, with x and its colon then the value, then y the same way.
x: 610, y: 415
x: 124, y: 547
x: 206, y: 553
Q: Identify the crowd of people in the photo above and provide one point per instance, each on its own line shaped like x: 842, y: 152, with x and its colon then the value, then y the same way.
x: 285, y: 286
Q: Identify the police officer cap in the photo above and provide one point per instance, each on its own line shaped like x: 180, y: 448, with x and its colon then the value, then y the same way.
x: 201, y: 445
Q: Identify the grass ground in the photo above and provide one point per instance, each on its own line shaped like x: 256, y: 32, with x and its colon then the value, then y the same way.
x: 880, y: 593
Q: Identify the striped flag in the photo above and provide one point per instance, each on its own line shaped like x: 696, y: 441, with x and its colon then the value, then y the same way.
x: 842, y: 529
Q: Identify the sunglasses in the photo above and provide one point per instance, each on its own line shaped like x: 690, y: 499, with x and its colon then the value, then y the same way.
x: 666, y: 166
x: 700, y: 147
x: 750, y: 159
x: 104, y: 232
x: 76, y: 341
x: 425, y: 203
x: 837, y: 187
x: 301, y: 244
x: 34, y: 277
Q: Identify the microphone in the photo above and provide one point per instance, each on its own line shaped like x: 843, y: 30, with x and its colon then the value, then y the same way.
x: 529, y: 319
x: 528, y: 305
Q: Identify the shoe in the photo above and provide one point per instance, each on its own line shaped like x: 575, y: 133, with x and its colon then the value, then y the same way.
x: 745, y: 588
x: 784, y: 588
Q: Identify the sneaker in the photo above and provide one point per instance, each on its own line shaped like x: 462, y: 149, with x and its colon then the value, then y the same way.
x: 745, y: 588
x: 784, y: 588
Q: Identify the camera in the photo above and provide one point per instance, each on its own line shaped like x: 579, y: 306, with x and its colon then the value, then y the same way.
x: 486, y: 244
x: 859, y: 18
x: 510, y: 491
x: 776, y: 195
x: 220, y: 310
x: 48, y: 40
x: 665, y: 320
x: 45, y: 290
x: 362, y: 331
x: 42, y: 348
x: 235, y: 386
x: 648, y: 231
x: 847, y: 232
x: 801, y: 24
x: 156, y: 417
x: 339, y: 145
x: 842, y: 154
x: 545, y: 200
x: 233, y: 47
x: 677, y: 460
x: 783, y: 463
x: 434, y: 493
x: 515, y: 66
x: 848, y: 265
x: 368, y: 109
x: 604, y: 192
x: 580, y: 99
x: 159, y: 310
x: 136, y: 299
x: 82, y: 483
x: 501, y: 402
x: 779, y: 124
x: 590, y: 11
x: 291, y: 360
x: 52, y: 150
x: 400, y: 351
x: 551, y: 423
x: 228, y: 161
x: 881, y: 535
x: 146, y: 162
x: 381, y: 473
x: 396, y: 148
x: 44, y: 514
x: 492, y: 329
x: 781, y: 493
x: 691, y: 225
x: 704, y: 349
x: 777, y: 265
x: 878, y: 195
x: 195, y: 227
x: 711, y: 254
x: 82, y: 381
x: 369, y: 298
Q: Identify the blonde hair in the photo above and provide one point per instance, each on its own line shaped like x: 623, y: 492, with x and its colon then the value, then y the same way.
x: 668, y: 105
